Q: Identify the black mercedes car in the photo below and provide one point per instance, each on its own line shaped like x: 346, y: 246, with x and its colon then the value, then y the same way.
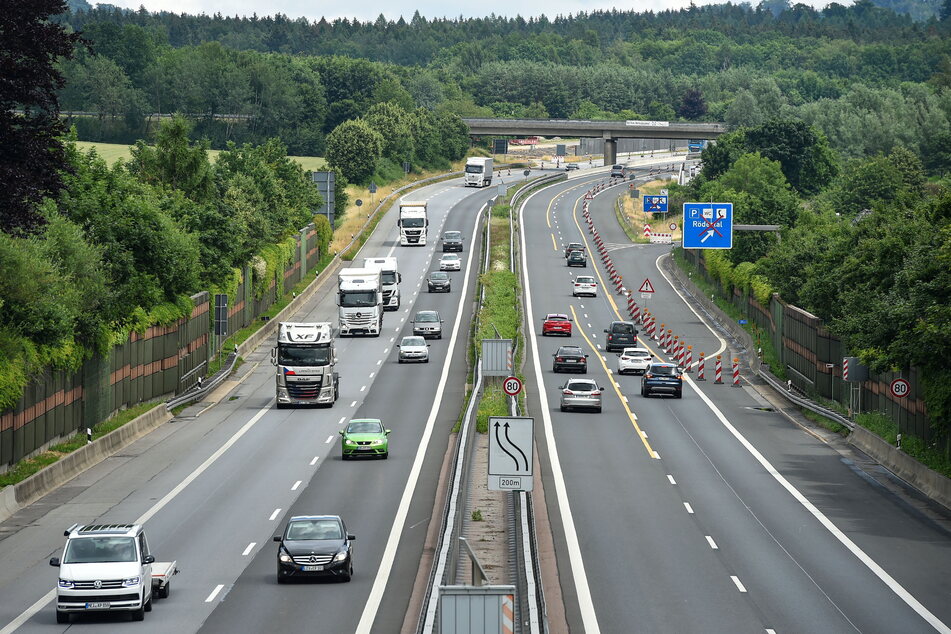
x: 569, y: 359
x: 315, y: 546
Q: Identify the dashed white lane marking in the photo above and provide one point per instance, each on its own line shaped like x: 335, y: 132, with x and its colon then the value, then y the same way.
x: 342, y: 418
x: 379, y: 361
x: 363, y: 389
x: 248, y: 550
x: 296, y: 485
x: 274, y: 515
x: 329, y: 440
x: 626, y: 401
x: 643, y: 433
x: 589, y: 325
x: 392, y: 339
x: 769, y: 631
x: 739, y: 585
x: 688, y: 507
x: 214, y: 593
x: 314, y: 461
x: 670, y: 478
x: 712, y: 543
x: 586, y: 316
x: 385, y: 351
x: 371, y: 374
x: 353, y: 404
x: 402, y: 319
x: 656, y: 455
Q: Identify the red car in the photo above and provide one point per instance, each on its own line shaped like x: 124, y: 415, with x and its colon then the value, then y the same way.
x: 556, y: 324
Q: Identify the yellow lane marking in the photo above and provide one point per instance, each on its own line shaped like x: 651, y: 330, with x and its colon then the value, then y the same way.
x: 617, y: 390
x: 554, y: 245
x: 594, y: 253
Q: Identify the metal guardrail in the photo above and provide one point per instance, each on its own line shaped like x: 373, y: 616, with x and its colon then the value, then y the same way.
x: 206, y: 386
x: 803, y: 402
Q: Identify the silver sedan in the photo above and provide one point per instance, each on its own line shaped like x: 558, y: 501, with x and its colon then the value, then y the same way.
x: 581, y: 394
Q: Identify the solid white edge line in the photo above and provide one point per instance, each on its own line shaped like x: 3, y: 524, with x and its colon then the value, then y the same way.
x: 372, y: 604
x: 703, y: 321
x: 214, y: 593
x: 589, y: 617
x: 248, y: 550
x: 844, y: 539
x: 739, y: 585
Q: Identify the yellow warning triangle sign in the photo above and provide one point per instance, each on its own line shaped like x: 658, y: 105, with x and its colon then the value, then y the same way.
x: 646, y: 287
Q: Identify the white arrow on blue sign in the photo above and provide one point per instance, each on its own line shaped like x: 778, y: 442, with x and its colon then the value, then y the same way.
x: 655, y: 204
x: 708, y: 226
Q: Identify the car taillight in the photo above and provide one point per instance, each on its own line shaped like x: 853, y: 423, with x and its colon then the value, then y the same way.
x: 625, y: 358
x: 569, y: 392
x: 596, y: 393
x: 559, y: 358
x: 610, y: 337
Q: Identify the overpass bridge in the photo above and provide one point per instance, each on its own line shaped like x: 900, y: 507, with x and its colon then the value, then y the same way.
x: 610, y: 131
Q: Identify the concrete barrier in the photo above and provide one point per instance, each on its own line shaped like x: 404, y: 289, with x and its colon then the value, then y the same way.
x: 933, y: 484
x: 15, y: 497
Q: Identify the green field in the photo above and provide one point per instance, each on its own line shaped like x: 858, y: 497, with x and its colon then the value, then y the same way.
x: 112, y: 152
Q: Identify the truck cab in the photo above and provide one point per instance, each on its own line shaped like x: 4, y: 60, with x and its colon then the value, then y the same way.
x: 108, y: 568
x: 360, y: 302
x: 390, y: 278
x: 478, y: 172
x: 305, y: 358
x: 413, y: 223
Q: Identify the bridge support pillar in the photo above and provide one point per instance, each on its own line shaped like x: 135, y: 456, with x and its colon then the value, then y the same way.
x: 610, y: 151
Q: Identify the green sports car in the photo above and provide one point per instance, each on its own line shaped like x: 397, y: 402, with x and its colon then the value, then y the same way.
x: 365, y: 437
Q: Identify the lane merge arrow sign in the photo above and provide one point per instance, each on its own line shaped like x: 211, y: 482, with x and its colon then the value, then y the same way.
x: 511, y: 446
x: 646, y: 287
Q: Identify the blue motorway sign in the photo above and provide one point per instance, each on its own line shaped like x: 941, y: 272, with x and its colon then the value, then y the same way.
x: 655, y: 204
x: 708, y: 226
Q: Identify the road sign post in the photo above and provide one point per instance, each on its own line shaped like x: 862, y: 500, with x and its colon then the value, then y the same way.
x: 708, y: 226
x: 511, y: 446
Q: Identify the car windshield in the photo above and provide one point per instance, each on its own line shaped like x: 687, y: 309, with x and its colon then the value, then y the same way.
x: 110, y: 549
x: 622, y: 329
x: 314, y: 529
x: 412, y: 341
x: 365, y: 427
x: 585, y: 280
x: 452, y: 235
x: 427, y: 317
x: 438, y: 275
x: 581, y: 386
x: 358, y: 299
x: 303, y: 355
x: 413, y: 223
x: 666, y: 370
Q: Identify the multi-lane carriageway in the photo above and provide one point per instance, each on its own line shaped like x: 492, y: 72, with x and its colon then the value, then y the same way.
x: 696, y: 515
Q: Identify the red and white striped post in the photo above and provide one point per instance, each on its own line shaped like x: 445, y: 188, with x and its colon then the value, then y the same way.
x: 681, y: 351
x: 636, y: 312
x: 675, y: 344
x: 718, y: 372
x: 688, y: 361
x: 651, y: 329
x: 700, y: 368
x: 663, y: 336
x: 736, y: 372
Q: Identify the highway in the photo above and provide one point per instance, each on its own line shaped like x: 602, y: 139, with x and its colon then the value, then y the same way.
x: 708, y: 513
x: 213, y: 489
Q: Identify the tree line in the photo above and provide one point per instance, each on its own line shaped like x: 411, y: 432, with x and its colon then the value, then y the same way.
x: 865, y: 244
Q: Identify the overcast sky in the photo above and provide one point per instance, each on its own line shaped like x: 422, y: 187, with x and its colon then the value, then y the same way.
x: 370, y: 9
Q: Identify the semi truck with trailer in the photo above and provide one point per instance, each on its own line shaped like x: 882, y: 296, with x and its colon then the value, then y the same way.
x: 390, y: 278
x: 360, y: 302
x: 305, y: 358
x: 413, y: 223
x: 478, y: 171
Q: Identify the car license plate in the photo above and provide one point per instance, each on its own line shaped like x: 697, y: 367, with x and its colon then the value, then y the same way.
x: 311, y: 568
x: 571, y: 361
x: 99, y: 605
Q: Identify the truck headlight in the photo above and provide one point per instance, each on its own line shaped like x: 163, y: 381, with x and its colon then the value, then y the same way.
x: 341, y: 556
x: 65, y: 583
x: 131, y: 582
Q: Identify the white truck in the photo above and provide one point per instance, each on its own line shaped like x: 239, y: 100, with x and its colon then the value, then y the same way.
x: 360, y: 301
x: 478, y: 171
x: 413, y: 223
x: 305, y: 358
x: 108, y: 568
x: 391, y: 278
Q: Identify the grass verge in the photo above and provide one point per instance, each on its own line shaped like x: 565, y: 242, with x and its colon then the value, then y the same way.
x: 25, y: 468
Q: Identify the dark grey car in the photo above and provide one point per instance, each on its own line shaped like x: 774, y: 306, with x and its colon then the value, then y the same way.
x: 439, y: 282
x: 427, y: 324
x: 315, y: 546
x: 577, y: 258
x: 452, y: 241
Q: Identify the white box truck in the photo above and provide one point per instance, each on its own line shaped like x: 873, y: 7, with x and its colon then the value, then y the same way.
x: 360, y: 301
x: 391, y: 278
x: 305, y: 358
x: 478, y: 171
x: 413, y: 223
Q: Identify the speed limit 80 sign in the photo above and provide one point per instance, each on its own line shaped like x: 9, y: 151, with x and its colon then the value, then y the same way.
x: 512, y: 386
x: 900, y: 388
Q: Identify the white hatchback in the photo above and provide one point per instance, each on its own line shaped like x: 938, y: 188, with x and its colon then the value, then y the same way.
x: 585, y: 285
x: 633, y: 361
x: 450, y: 262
